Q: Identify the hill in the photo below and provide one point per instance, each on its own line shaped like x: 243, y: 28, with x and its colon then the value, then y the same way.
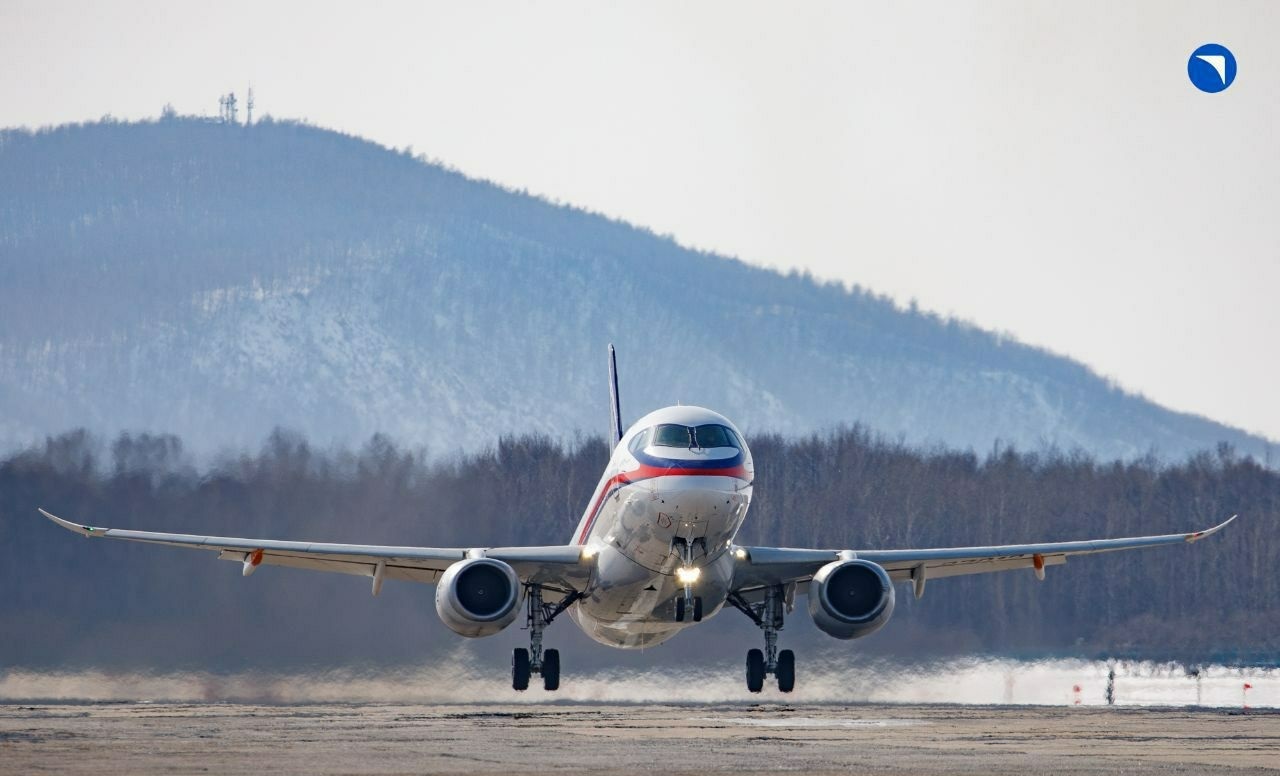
x: 215, y: 281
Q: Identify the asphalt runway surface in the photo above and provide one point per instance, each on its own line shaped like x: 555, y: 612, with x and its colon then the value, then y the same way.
x: 146, y: 738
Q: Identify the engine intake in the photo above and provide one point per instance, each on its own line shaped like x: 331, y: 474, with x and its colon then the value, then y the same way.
x: 478, y: 597
x: 850, y: 599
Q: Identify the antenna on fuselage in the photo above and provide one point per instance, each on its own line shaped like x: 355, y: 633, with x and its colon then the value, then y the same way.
x: 615, y: 408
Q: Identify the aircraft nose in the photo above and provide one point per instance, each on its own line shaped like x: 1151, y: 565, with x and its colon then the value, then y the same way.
x: 703, y: 505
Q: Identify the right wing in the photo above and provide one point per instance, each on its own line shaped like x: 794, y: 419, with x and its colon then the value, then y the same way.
x: 560, y: 566
x: 761, y: 567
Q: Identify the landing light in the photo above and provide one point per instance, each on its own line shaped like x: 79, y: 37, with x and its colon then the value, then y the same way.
x: 688, y: 575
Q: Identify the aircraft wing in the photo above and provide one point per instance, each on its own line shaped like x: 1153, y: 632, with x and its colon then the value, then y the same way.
x: 766, y: 566
x: 557, y: 566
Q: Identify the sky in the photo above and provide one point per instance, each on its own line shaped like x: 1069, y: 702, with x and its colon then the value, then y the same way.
x: 1045, y: 170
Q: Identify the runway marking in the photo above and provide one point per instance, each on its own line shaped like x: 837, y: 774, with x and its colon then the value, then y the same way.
x: 814, y: 722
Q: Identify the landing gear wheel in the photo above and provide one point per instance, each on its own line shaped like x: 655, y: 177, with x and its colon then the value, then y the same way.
x: 680, y: 609
x: 755, y: 670
x: 697, y: 609
x: 551, y: 670
x: 786, y: 672
x: 520, y: 669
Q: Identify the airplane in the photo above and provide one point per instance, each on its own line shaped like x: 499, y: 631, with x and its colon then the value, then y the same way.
x: 653, y: 554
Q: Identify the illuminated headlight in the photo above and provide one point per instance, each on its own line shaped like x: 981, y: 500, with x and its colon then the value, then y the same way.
x: 689, y: 575
x: 740, y: 553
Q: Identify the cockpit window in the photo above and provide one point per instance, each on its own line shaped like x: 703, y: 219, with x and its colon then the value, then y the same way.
x: 639, y: 441
x: 672, y: 435
x: 712, y: 435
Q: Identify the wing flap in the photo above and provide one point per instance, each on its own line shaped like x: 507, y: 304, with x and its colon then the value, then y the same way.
x: 353, y: 568
x: 903, y: 573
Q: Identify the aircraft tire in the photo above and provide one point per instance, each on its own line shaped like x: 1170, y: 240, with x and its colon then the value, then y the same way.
x: 755, y: 670
x: 680, y: 609
x: 786, y: 671
x: 551, y: 670
x: 697, y: 609
x: 520, y: 669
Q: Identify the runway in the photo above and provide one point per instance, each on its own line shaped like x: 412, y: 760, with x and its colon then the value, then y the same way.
x: 144, y: 738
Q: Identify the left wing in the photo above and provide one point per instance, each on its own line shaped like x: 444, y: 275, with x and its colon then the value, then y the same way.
x: 559, y: 566
x: 767, y: 566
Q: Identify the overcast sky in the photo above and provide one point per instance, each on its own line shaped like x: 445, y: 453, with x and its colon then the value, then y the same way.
x: 1045, y: 170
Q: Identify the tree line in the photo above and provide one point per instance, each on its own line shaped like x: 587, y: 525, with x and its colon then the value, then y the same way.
x: 70, y: 601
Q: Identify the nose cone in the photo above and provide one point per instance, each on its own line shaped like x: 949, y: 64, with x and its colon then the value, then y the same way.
x: 706, y: 508
x: 703, y: 498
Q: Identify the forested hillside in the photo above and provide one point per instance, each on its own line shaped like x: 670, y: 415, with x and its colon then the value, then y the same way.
x: 213, y: 281
x: 70, y: 601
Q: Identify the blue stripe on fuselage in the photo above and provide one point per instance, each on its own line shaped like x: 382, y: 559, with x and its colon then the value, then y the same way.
x: 680, y: 463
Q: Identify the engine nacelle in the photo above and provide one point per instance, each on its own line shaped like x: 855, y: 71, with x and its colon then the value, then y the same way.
x: 478, y: 597
x: 850, y: 599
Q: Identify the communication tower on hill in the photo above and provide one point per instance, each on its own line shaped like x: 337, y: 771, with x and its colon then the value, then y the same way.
x: 227, y: 108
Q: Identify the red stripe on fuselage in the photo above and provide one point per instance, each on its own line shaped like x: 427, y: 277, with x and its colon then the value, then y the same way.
x: 646, y: 472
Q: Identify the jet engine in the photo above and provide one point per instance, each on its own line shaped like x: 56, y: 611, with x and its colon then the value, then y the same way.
x: 850, y: 599
x: 478, y: 597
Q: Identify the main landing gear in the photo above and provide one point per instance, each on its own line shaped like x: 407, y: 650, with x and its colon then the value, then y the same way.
x: 768, y: 614
x: 526, y: 662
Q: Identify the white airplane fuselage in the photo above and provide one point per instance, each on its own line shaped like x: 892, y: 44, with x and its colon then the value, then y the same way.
x: 660, y: 508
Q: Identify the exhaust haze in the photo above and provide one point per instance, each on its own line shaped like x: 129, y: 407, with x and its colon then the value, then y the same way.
x: 458, y: 680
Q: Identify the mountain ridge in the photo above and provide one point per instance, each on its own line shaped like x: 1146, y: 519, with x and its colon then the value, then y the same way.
x: 215, y: 281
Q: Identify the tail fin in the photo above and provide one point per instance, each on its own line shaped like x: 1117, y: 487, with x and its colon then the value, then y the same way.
x: 615, y: 409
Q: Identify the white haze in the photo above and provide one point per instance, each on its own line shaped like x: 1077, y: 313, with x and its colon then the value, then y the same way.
x: 995, y: 682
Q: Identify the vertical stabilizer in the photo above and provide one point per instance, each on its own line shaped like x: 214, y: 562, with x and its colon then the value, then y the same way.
x: 615, y: 409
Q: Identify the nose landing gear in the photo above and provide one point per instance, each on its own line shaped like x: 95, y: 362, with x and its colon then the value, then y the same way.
x: 689, y: 603
x: 688, y: 574
x: 768, y: 615
x: 527, y: 662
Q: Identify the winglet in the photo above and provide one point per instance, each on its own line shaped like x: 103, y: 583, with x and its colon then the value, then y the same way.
x: 1198, y: 535
x: 83, y: 530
